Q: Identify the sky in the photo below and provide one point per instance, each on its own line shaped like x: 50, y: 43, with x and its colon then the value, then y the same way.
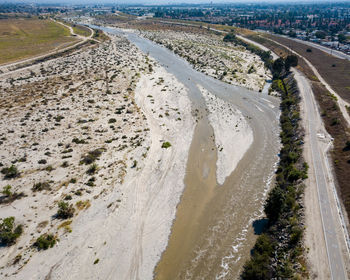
x: 155, y: 2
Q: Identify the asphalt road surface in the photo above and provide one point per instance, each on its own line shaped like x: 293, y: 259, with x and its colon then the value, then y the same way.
x: 333, y: 244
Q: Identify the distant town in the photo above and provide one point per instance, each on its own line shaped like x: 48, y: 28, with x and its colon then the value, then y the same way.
x: 325, y: 24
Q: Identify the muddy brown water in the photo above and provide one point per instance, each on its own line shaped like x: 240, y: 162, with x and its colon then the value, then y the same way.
x: 212, y: 235
x: 213, y: 232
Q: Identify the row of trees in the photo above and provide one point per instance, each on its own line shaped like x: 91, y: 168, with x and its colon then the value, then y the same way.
x: 277, y: 251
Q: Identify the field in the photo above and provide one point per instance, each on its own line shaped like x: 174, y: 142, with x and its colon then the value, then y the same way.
x: 335, y: 71
x: 23, y: 38
x: 81, y: 30
x: 78, y: 29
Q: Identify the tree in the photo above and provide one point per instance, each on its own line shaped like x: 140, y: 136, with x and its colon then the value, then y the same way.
x: 230, y: 37
x: 341, y: 38
x: 274, y: 204
x: 292, y: 34
x: 257, y: 268
x: 291, y: 61
x: 277, y: 67
x: 320, y: 34
x: 278, y: 30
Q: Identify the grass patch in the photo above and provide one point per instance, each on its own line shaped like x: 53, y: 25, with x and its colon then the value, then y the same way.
x: 66, y: 226
x: 22, y: 38
x: 81, y: 30
x: 81, y: 205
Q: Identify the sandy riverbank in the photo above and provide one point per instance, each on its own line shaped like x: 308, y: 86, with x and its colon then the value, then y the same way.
x: 209, y: 54
x: 233, y: 135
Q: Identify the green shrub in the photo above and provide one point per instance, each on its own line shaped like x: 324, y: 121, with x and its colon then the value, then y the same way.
x: 41, y: 186
x: 92, y: 169
x: 10, y: 172
x: 347, y: 146
x: 65, y: 210
x: 258, y: 266
x: 296, y: 235
x: 78, y: 141
x: 335, y: 121
x: 230, y: 37
x: 9, y: 232
x: 45, y: 241
x: 10, y: 196
x: 91, y: 156
x: 7, y: 191
x: 166, y: 145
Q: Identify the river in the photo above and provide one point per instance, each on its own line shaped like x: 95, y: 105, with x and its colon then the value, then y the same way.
x: 213, y: 232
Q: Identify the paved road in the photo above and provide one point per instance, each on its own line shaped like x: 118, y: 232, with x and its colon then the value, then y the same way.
x: 320, y: 169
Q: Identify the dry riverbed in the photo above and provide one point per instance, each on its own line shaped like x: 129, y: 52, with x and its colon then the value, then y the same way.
x: 73, y: 131
x: 211, y: 55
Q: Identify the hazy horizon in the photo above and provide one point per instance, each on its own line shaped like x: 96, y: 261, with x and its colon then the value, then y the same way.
x: 164, y: 2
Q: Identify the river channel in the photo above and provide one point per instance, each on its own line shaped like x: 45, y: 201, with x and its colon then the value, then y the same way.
x: 213, y: 231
